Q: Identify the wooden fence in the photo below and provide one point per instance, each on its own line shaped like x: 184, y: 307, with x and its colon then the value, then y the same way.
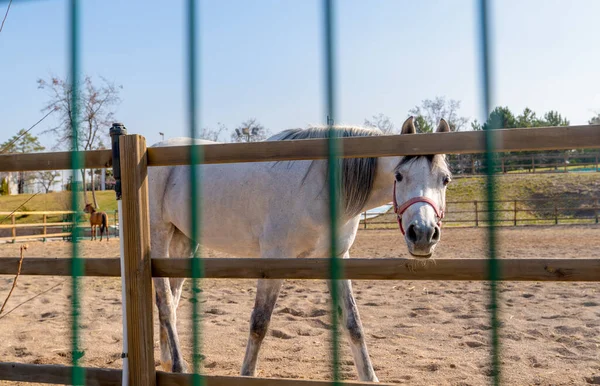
x: 508, y: 213
x: 44, y: 224
x: 139, y: 269
x: 531, y: 163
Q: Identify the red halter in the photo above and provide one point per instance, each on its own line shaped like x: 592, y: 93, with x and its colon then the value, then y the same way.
x: 399, y: 210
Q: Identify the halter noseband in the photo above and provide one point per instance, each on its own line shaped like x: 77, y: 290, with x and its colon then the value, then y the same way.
x: 399, y: 210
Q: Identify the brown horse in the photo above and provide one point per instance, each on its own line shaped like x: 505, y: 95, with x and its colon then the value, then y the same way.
x: 97, y: 219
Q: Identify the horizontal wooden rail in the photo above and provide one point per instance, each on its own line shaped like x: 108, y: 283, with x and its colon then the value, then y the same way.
x: 543, y: 138
x: 39, y: 236
x: 571, y: 137
x: 35, y: 225
x: 53, y: 161
x: 38, y: 213
x: 355, y: 268
x: 58, y: 374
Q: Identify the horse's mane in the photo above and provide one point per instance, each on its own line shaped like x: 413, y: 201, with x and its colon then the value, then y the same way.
x: 358, y: 174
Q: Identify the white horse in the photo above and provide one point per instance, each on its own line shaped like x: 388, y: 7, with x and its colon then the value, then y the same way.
x: 280, y: 209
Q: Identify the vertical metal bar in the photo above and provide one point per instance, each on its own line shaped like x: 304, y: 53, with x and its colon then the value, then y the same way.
x: 493, y: 265
x: 334, y: 151
x: 78, y: 376
x: 116, y: 131
x: 196, y: 156
x: 515, y: 214
x: 476, y: 214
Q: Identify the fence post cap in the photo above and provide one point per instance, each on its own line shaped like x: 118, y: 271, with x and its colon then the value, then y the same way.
x: 117, y: 129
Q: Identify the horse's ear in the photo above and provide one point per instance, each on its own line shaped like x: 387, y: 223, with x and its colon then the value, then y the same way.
x: 408, y: 127
x: 443, y: 127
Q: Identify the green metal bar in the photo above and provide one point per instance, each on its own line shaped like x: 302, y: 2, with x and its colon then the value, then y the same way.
x: 197, y: 265
x: 78, y: 376
x: 334, y: 151
x: 494, y: 265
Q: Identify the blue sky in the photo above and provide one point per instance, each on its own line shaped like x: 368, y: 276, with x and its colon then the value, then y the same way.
x: 263, y: 59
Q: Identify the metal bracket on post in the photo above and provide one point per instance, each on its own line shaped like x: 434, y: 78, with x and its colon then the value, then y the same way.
x: 116, y: 131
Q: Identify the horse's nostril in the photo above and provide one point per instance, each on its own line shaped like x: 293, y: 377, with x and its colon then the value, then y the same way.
x: 436, y: 234
x: 412, y: 234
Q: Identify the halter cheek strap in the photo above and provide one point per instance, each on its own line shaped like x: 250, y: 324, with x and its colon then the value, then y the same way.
x: 399, y: 210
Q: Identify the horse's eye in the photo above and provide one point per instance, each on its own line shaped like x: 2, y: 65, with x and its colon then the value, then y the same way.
x: 398, y: 177
x: 447, y: 180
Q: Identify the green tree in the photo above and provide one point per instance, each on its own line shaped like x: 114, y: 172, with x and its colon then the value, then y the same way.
x: 503, y: 118
x: 595, y: 120
x: 22, y: 142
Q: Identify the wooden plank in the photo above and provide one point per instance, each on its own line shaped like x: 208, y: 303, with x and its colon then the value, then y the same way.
x: 387, y: 269
x: 10, y: 238
x: 58, y: 374
x: 35, y: 225
x: 53, y: 161
x: 355, y: 268
x: 52, y: 266
x: 544, y: 138
x: 41, y: 212
x: 138, y: 271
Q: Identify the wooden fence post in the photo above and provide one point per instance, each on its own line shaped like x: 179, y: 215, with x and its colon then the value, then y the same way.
x: 365, y: 220
x: 596, y: 210
x: 555, y: 213
x: 45, y: 218
x: 476, y: 214
x: 138, y: 274
x: 532, y: 164
x: 515, y: 214
x: 14, y: 229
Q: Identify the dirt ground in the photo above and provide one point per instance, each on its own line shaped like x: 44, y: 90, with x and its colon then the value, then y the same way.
x: 418, y: 332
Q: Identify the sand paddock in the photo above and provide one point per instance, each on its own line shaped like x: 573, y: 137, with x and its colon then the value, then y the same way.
x: 418, y: 332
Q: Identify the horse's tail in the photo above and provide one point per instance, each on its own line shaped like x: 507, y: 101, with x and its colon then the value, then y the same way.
x: 104, y: 225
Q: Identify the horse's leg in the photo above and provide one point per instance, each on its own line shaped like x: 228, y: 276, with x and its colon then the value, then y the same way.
x: 266, y: 296
x: 171, y: 357
x: 353, y: 326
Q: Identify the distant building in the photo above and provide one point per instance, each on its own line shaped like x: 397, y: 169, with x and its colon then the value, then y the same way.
x: 12, y: 181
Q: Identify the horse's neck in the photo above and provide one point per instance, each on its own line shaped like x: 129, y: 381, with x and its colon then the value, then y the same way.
x: 383, y: 185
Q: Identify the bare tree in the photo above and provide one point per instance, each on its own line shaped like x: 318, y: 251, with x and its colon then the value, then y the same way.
x: 249, y: 131
x: 213, y: 134
x: 47, y: 179
x: 429, y: 113
x: 96, y: 106
x: 383, y: 123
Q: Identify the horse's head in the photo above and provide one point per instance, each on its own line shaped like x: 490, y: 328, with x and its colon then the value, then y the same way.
x: 420, y: 196
x: 88, y: 208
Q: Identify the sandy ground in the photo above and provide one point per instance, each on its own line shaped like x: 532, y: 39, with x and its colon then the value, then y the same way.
x: 418, y: 332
